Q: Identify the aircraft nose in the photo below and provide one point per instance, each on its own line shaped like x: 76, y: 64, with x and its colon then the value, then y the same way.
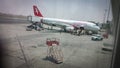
x: 98, y: 28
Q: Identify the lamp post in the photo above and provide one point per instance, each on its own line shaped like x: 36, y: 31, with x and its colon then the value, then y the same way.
x: 104, y: 18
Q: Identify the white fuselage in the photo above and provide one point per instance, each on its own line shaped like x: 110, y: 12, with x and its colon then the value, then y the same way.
x: 66, y: 24
x: 71, y: 24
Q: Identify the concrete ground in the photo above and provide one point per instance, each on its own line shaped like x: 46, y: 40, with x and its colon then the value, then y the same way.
x: 78, y: 51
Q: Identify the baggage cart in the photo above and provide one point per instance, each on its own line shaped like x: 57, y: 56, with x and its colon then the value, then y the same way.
x: 54, y: 51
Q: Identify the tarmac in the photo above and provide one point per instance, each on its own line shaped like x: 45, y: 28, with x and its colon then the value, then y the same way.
x: 79, y: 51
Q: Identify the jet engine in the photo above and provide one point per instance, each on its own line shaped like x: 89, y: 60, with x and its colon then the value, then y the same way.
x: 69, y: 28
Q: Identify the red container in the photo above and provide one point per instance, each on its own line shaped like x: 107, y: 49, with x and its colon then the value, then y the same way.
x: 49, y: 43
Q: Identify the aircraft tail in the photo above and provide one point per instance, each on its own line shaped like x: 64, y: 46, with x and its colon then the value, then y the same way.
x: 36, y: 11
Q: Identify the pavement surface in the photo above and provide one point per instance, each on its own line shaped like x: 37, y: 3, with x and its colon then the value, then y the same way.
x: 78, y: 51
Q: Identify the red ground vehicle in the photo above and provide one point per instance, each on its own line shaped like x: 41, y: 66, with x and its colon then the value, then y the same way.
x: 105, y: 35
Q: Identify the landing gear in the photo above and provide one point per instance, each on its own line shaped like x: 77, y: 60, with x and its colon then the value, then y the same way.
x: 77, y: 31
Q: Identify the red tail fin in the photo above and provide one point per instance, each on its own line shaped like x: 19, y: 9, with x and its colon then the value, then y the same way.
x: 36, y: 11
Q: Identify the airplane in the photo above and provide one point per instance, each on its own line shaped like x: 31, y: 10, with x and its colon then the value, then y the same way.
x: 67, y: 25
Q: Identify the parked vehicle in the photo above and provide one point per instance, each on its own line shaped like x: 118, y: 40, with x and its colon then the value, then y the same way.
x: 97, y: 37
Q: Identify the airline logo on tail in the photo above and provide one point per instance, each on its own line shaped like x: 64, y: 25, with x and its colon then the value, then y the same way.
x: 36, y: 11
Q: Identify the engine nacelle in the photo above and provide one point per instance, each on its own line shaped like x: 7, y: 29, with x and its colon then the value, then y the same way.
x: 69, y: 28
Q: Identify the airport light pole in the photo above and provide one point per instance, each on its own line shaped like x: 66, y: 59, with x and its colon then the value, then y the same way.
x: 108, y: 11
x: 104, y: 18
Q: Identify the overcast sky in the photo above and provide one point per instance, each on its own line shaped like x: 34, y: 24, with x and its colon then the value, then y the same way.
x: 88, y: 10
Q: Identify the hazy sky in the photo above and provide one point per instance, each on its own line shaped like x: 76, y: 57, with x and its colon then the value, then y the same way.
x: 88, y: 10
